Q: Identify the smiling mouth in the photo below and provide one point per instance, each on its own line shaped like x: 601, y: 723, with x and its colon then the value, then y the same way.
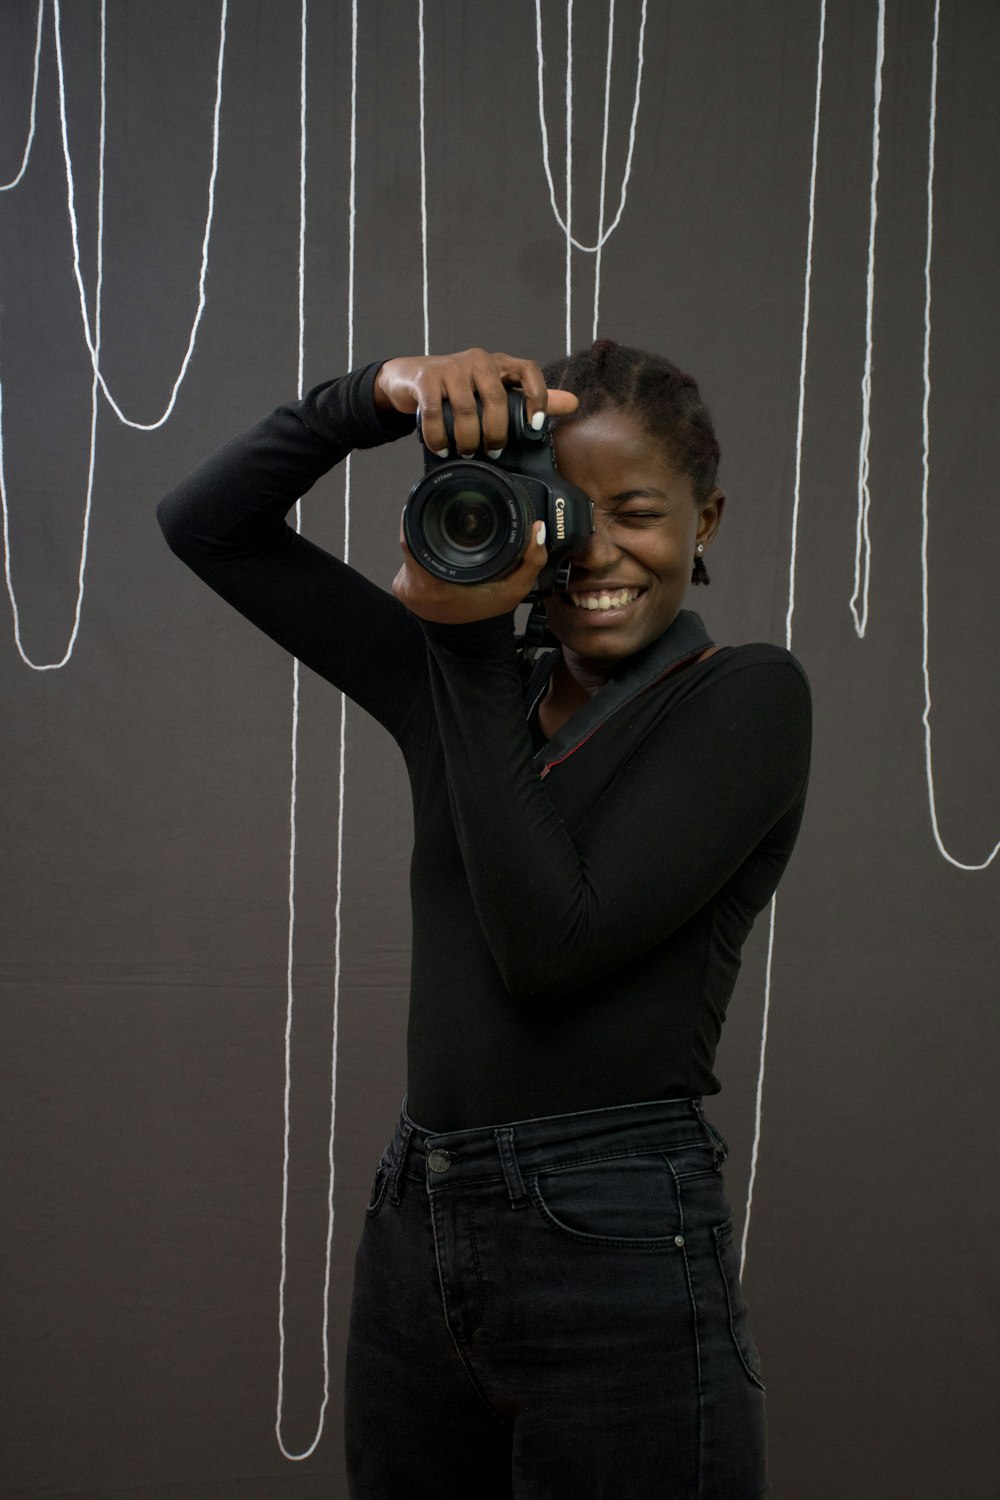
x: 603, y: 601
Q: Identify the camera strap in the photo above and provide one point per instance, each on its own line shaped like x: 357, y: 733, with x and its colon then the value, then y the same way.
x: 536, y: 637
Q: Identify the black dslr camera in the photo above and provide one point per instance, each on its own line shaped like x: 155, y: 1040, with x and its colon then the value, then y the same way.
x: 469, y: 520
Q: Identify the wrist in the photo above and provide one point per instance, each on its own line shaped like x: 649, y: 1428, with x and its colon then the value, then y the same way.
x: 379, y: 397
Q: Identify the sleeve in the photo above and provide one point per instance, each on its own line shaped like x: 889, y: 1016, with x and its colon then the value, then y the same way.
x: 678, y: 819
x: 226, y: 520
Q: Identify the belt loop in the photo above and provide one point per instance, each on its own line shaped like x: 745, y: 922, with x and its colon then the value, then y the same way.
x: 719, y: 1149
x: 511, y: 1171
x: 404, y: 1131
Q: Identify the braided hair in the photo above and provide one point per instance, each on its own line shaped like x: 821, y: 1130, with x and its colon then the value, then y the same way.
x: 662, y: 398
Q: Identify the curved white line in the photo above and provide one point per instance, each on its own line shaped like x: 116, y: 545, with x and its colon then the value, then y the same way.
x: 605, y: 234
x: 5, y: 187
x: 88, y: 502
x: 71, y: 206
x: 926, y: 717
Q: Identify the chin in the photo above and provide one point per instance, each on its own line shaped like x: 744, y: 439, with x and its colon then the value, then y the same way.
x: 600, y: 645
x: 605, y: 643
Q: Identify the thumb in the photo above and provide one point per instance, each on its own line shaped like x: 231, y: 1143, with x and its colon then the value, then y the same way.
x: 561, y: 403
x: 535, y: 557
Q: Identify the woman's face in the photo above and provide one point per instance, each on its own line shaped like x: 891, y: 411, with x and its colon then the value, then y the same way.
x: 647, y: 528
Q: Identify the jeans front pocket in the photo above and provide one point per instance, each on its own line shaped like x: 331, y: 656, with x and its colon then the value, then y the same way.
x: 627, y: 1199
x: 739, y: 1327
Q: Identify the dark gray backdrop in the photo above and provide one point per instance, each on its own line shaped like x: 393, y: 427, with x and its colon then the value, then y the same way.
x: 146, y: 830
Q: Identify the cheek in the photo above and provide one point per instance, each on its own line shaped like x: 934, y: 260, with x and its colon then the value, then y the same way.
x: 666, y: 557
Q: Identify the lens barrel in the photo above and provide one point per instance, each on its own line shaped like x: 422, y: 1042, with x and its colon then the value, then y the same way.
x: 468, y: 521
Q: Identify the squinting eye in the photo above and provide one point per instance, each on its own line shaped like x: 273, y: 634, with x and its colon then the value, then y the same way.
x: 639, y: 515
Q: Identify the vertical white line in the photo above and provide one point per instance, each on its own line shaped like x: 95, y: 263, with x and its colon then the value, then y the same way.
x: 758, y: 1112
x: 289, y: 1010
x: 759, y: 1097
x: 292, y: 848
x: 303, y: 52
x: 807, y: 294
x: 604, y: 165
x: 5, y: 187
x: 347, y: 486
x: 924, y: 507
x: 862, y: 538
x: 569, y: 175
x: 423, y: 178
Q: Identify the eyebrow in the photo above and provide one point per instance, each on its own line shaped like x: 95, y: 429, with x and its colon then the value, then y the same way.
x: 649, y: 494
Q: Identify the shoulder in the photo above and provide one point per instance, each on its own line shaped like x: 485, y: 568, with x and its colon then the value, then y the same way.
x: 759, y: 659
x: 758, y: 678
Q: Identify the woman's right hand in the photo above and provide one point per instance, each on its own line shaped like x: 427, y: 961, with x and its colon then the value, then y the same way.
x: 419, y: 383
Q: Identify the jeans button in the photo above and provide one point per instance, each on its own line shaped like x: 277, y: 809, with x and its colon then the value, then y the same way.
x: 439, y: 1161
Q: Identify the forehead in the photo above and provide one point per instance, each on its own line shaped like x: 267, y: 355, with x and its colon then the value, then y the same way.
x: 610, y: 451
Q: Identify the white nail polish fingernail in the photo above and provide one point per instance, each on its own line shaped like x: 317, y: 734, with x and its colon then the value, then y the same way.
x: 493, y: 452
x: 541, y: 535
x: 537, y: 420
x: 441, y: 452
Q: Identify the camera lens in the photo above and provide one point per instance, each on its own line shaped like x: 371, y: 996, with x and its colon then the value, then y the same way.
x: 467, y: 520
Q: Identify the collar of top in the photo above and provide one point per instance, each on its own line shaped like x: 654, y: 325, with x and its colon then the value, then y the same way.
x: 685, y: 637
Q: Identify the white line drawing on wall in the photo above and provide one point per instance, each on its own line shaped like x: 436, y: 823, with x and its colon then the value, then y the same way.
x: 5, y: 187
x: 71, y: 205
x: 294, y: 790
x: 603, y: 235
x: 92, y: 333
x: 863, y: 540
x: 792, y: 556
x: 924, y: 512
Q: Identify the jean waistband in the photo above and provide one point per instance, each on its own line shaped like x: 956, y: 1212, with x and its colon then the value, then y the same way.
x: 507, y: 1149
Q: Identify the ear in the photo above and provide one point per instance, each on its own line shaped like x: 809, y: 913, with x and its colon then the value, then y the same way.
x: 710, y: 516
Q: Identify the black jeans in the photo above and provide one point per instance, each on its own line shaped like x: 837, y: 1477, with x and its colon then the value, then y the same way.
x: 550, y: 1309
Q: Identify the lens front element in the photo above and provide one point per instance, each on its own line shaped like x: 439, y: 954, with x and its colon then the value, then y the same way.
x: 468, y: 523
x: 468, y: 520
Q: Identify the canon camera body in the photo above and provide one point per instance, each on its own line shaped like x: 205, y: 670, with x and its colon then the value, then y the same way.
x: 469, y: 520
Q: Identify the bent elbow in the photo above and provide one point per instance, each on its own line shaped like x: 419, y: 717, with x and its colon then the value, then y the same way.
x: 538, y: 978
x: 171, y: 524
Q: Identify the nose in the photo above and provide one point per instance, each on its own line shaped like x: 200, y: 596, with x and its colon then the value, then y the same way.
x: 601, y: 551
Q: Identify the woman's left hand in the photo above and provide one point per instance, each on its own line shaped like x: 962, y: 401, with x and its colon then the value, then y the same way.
x: 432, y: 598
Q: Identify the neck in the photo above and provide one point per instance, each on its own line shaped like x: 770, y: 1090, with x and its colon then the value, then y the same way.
x: 579, y: 677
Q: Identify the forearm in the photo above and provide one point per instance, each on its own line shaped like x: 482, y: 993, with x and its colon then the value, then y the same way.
x: 686, y: 805
x: 227, y: 521
x: 238, y: 497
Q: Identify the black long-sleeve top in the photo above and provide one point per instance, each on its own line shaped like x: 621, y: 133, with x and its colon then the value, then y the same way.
x: 579, y: 904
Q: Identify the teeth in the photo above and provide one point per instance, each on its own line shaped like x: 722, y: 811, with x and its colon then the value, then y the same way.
x: 601, y: 599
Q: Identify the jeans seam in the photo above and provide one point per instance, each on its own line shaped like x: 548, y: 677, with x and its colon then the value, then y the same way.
x: 447, y: 1321
x: 720, y: 1232
x: 397, y: 1167
x: 651, y: 1150
x: 695, y: 1324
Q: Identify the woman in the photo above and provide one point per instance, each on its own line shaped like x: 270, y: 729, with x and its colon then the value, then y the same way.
x: 546, y: 1297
